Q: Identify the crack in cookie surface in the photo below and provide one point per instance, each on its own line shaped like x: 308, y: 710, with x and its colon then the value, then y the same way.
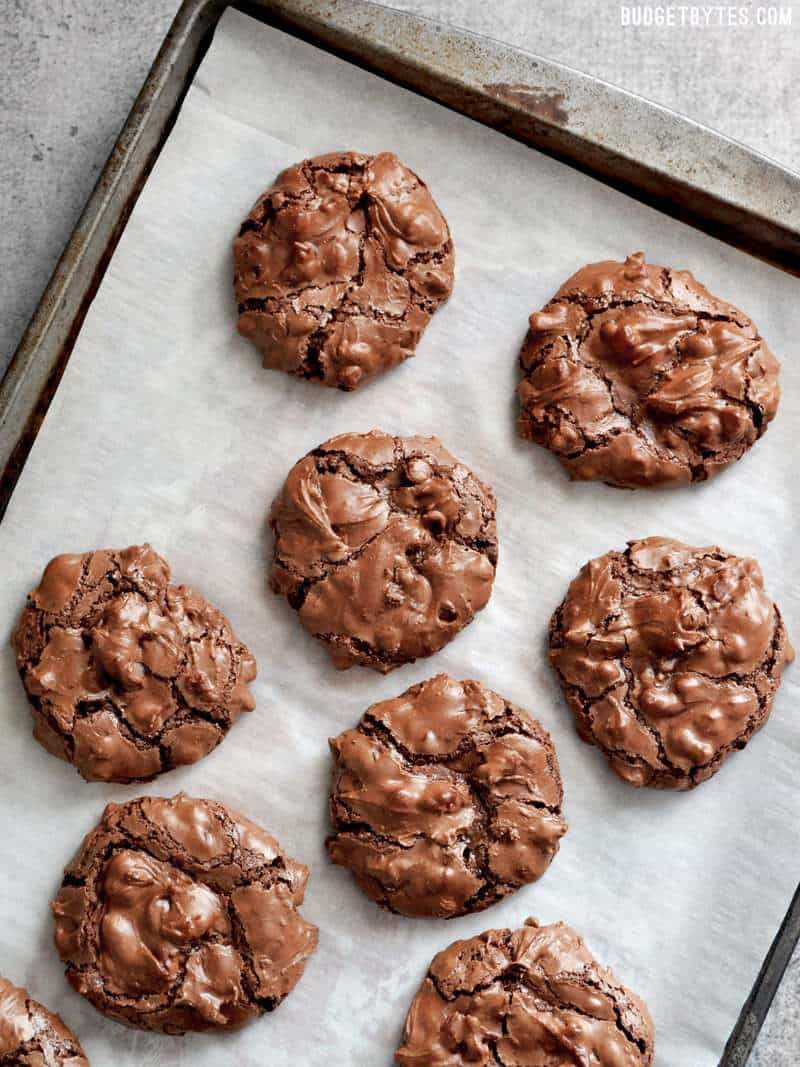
x: 128, y: 675
x: 445, y: 800
x: 636, y: 375
x: 32, y: 1036
x: 339, y: 267
x: 516, y: 997
x: 670, y: 657
x: 385, y: 546
x: 179, y: 914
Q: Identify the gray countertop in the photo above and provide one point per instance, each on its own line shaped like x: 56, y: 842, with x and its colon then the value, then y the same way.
x: 70, y: 69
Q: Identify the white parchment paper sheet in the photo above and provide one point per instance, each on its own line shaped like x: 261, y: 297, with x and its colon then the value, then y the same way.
x: 166, y: 428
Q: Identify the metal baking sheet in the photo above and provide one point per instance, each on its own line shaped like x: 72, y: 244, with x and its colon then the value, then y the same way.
x: 536, y: 102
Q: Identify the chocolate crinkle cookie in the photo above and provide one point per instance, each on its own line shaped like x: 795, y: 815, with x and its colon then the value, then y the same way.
x: 32, y: 1036
x: 180, y: 914
x: 445, y: 800
x: 670, y: 657
x: 523, y: 997
x: 636, y: 375
x: 385, y: 546
x: 339, y: 267
x: 128, y: 675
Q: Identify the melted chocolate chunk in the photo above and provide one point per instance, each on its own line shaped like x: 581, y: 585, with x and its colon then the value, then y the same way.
x: 339, y: 267
x: 670, y: 658
x: 128, y: 675
x: 445, y: 800
x: 180, y: 914
x: 529, y: 996
x: 385, y: 546
x: 636, y: 375
x: 32, y: 1036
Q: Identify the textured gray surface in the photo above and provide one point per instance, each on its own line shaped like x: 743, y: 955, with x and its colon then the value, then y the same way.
x: 70, y: 69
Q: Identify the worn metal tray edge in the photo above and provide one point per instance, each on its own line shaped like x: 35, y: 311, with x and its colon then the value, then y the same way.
x: 656, y: 155
x: 755, y: 206
x: 32, y: 377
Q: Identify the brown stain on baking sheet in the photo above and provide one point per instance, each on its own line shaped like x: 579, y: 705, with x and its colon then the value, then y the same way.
x: 536, y: 101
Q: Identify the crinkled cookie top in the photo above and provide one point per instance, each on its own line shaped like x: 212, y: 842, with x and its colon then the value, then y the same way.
x: 180, y: 914
x: 521, y: 997
x: 636, y: 375
x: 339, y: 267
x: 127, y: 674
x: 445, y: 799
x: 32, y: 1036
x: 670, y: 657
x: 386, y: 547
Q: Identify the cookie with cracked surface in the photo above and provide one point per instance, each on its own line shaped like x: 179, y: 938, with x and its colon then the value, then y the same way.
x: 670, y: 657
x: 636, y: 375
x: 445, y: 800
x: 530, y: 996
x: 340, y: 266
x: 385, y: 546
x: 128, y: 675
x: 180, y: 914
x: 32, y: 1036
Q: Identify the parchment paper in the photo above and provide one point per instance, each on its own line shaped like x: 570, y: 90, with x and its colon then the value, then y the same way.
x: 166, y: 428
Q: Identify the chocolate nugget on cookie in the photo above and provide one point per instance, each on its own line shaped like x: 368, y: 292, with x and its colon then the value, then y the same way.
x: 339, y: 267
x: 127, y: 674
x: 670, y: 658
x: 445, y: 800
x: 385, y: 546
x: 636, y: 375
x: 529, y: 996
x: 32, y: 1036
x: 180, y: 914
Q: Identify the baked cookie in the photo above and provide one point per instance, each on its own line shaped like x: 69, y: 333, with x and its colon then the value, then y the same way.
x: 636, y: 375
x: 32, y: 1036
x: 445, y: 800
x: 385, y: 546
x: 128, y: 675
x: 529, y: 996
x: 670, y: 658
x: 339, y: 267
x: 179, y: 914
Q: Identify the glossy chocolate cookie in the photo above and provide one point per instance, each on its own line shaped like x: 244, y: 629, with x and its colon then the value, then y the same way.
x: 385, y: 546
x: 670, y: 658
x: 128, y: 675
x: 32, y: 1036
x: 523, y: 997
x: 445, y: 800
x: 180, y: 914
x: 636, y: 375
x: 339, y: 267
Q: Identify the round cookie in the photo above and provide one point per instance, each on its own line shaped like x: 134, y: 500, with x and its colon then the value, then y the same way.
x: 339, y: 267
x: 385, y: 546
x: 179, y: 914
x: 32, y: 1036
x: 670, y: 657
x: 128, y: 675
x: 445, y: 800
x: 636, y: 375
x: 529, y: 996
